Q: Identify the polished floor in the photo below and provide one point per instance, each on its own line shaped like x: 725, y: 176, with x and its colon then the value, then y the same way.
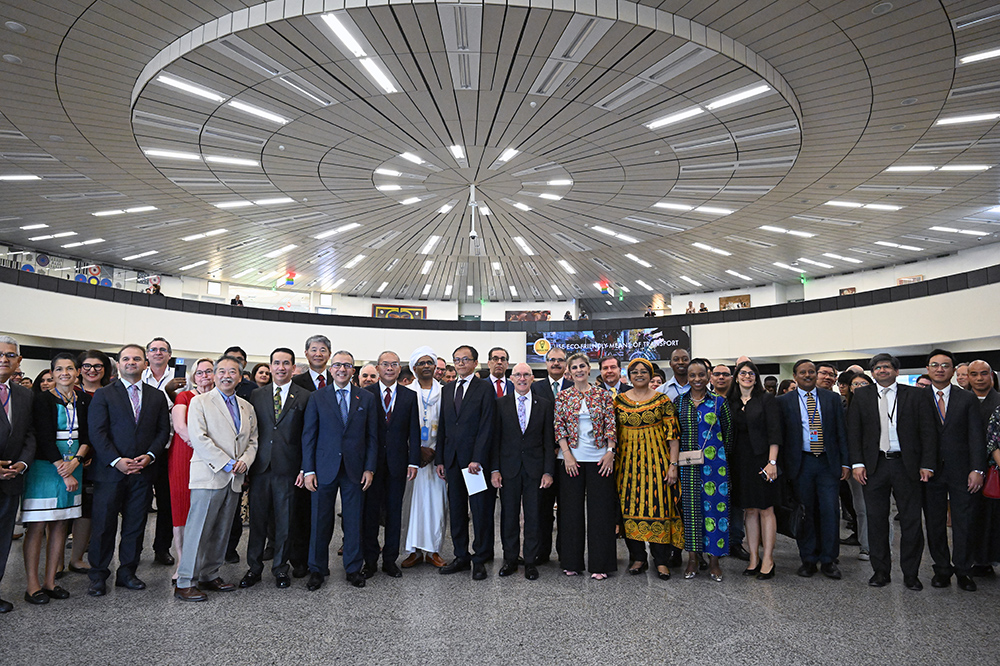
x: 426, y: 618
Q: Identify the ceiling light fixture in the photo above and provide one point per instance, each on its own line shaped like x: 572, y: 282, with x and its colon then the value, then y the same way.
x: 641, y: 262
x: 389, y: 188
x: 172, y: 154
x: 976, y: 57
x: 556, y: 290
x: 380, y: 77
x: 672, y: 206
x: 468, y: 291
x: 445, y: 208
x: 911, y: 248
x: 513, y: 290
x: 550, y: 197
x: 16, y: 177
x: 675, y: 118
x: 280, y: 251
x: 523, y: 244
x: 189, y: 87
x: 738, y: 97
x: 381, y: 287
x: 150, y: 253
x: 140, y: 209
x: 274, y: 202
x: 427, y: 290
x: 560, y: 182
x: 458, y: 152
x: 713, y: 211
x: 644, y: 285
x: 508, y: 155
x: 259, y: 112
x: 521, y: 206
x: 355, y: 261
x: 31, y: 227
x: 194, y: 265
x: 905, y: 169
x: 814, y: 263
x: 739, y: 275
x: 411, y: 200
x: 787, y: 267
x: 485, y: 210
x: 388, y: 172
x: 92, y: 241
x: 338, y: 230
x: 690, y: 281
x: 411, y: 158
x: 849, y: 260
x: 709, y: 248
x: 344, y: 35
x: 975, y: 118
x: 336, y: 284
x: 234, y: 204
x: 430, y: 245
x: 567, y: 267
x: 235, y: 161
x: 965, y: 167
x: 447, y: 291
x: 427, y: 267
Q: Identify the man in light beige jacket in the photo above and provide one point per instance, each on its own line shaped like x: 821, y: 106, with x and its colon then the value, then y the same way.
x: 223, y: 429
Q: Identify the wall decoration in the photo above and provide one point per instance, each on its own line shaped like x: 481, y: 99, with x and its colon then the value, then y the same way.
x: 734, y: 302
x: 848, y: 291
x: 909, y: 280
x: 399, y: 311
x: 528, y: 315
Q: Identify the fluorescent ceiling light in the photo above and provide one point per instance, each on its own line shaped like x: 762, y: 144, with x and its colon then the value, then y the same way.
x: 976, y: 57
x: 550, y: 197
x: 411, y: 200
x: 975, y: 118
x: 381, y: 287
x: 64, y: 234
x: 672, y: 206
x: 566, y: 267
x: 814, y: 263
x: 140, y: 209
x: 495, y: 265
x: 194, y: 265
x: 675, y: 118
x: 172, y: 154
x: 336, y: 284
x: 259, y: 112
x: 883, y: 207
x: 92, y: 241
x: 787, y: 267
x: 140, y: 256
x: 843, y: 204
x: 389, y: 188
x: 41, y: 238
x: 641, y: 262
x: 523, y: 244
x: 235, y: 161
x: 427, y: 267
x: 468, y: 291
x: 344, y: 35
x: 713, y: 211
x: 968, y: 232
x: 485, y: 210
x: 430, y: 245
x: 709, y: 248
x: 521, y: 206
x: 965, y: 167
x: 508, y: 155
x: 738, y: 97
x: 427, y: 290
x: 644, y: 285
x: 800, y: 234
x: 411, y: 157
x: 215, y: 232
x: 275, y: 201
x: 556, y: 290
x: 850, y: 260
x: 243, y: 272
x: 31, y: 227
x: 513, y: 290
x: 388, y: 172
x: 376, y: 73
x: 739, y: 275
x: 234, y: 204
x: 690, y: 281
x: 447, y: 291
x: 599, y: 287
x: 188, y: 87
x: 911, y: 248
x: 355, y: 261
x: 560, y: 182
x: 107, y: 213
x: 338, y: 230
x: 945, y: 229
x: 280, y: 251
x: 905, y: 169
x: 20, y: 177
x: 445, y: 208
x: 458, y: 152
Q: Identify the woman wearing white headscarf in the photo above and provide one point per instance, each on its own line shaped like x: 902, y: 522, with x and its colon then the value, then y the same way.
x: 425, y: 507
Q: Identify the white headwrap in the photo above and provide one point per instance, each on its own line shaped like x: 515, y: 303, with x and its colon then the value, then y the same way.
x: 419, y: 353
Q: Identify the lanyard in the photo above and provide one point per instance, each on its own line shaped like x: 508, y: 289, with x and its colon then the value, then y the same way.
x: 895, y: 401
x: 819, y: 414
x: 68, y: 404
x: 159, y: 385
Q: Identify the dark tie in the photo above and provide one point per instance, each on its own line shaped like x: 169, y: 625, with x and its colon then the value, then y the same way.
x: 387, y: 401
x: 277, y: 402
x: 342, y: 399
x: 815, y: 447
x: 136, y: 404
x: 321, y: 381
x: 459, y: 390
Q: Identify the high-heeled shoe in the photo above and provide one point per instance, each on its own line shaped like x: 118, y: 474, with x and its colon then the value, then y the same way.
x: 766, y: 576
x: 635, y: 571
x: 752, y: 572
x: 716, y: 577
x: 663, y: 575
x: 688, y: 574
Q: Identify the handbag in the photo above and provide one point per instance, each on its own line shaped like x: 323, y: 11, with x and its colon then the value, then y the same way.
x: 689, y: 458
x: 991, y: 487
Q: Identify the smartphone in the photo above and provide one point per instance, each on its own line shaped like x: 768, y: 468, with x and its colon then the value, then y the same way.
x: 180, y: 371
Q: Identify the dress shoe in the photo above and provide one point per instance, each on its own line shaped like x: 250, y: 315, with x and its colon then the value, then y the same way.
x: 983, y: 571
x: 268, y: 554
x: 216, y: 585
x: 249, y: 579
x: 508, y: 569
x: 531, y: 572
x: 232, y: 557
x: 752, y: 572
x: 662, y: 572
x: 542, y: 559
x: 636, y: 570
x: 850, y: 541
x: 6, y: 606
x: 436, y: 560
x: 807, y: 569
x: 739, y: 552
x: 414, y: 558
x: 98, y: 589
x: 831, y: 570
x: 60, y: 574
x: 130, y: 581
x: 190, y: 594
x: 316, y: 581
x: 282, y: 580
x: 966, y: 583
x: 478, y: 571
x: 368, y: 570
x: 717, y: 577
x: 940, y: 580
x: 300, y: 571
x: 79, y: 570
x: 164, y: 557
x: 766, y: 576
x: 879, y: 579
x: 390, y: 569
x: 675, y: 559
x: 56, y: 593
x: 913, y: 584
x: 37, y: 599
x: 356, y: 579
x: 455, y: 566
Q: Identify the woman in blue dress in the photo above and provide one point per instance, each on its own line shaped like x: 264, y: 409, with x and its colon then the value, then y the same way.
x: 52, y: 487
x: 706, y: 432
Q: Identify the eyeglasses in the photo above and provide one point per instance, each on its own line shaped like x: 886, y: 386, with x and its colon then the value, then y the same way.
x: 202, y: 373
x: 555, y: 360
x: 497, y: 359
x: 747, y: 373
x: 826, y: 373
x: 388, y: 364
x: 462, y: 359
x: 160, y: 350
x: 18, y: 375
x: 423, y: 364
x: 522, y: 375
x: 859, y: 385
x: 93, y: 366
x: 932, y: 366
x: 10, y: 355
x: 724, y: 374
x: 338, y: 366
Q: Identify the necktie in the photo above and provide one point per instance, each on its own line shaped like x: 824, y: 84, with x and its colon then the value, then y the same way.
x: 555, y: 389
x: 942, y: 409
x: 884, y: 417
x: 134, y: 397
x: 387, y: 400
x: 522, y: 415
x: 459, y: 390
x: 234, y: 411
x: 342, y: 399
x: 499, y: 388
x: 277, y: 402
x: 5, y: 398
x: 321, y: 381
x: 815, y: 447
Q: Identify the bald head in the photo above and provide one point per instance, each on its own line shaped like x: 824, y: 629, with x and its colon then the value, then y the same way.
x: 522, y: 377
x: 980, y: 377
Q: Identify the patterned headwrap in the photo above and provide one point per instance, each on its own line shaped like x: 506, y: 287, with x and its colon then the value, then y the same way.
x: 419, y: 353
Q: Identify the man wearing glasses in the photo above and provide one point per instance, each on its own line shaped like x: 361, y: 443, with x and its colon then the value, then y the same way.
x: 398, y: 461
x: 555, y: 382
x: 498, y: 361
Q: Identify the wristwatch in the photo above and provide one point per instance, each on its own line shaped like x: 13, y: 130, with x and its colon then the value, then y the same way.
x: 772, y: 462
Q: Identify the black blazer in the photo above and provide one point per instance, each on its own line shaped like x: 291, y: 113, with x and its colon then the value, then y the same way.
x: 914, y: 427
x: 279, y: 443
x: 305, y: 380
x: 466, y: 437
x: 600, y: 382
x: 763, y: 419
x: 46, y: 415
x: 534, y: 449
x: 988, y: 405
x: 508, y: 386
x: 834, y: 431
x: 962, y: 436
x: 399, y: 437
x: 114, y: 432
x: 17, y: 435
x: 543, y: 388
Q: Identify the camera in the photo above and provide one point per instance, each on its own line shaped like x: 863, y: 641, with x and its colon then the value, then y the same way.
x: 473, y: 235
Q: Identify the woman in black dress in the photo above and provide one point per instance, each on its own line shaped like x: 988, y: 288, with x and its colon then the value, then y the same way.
x: 757, y: 424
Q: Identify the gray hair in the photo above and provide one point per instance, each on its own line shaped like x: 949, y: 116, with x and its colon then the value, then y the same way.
x: 318, y: 338
x: 7, y: 340
x: 345, y: 353
x: 227, y: 357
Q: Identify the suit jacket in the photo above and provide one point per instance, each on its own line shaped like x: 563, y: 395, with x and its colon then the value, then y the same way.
x: 215, y: 441
x: 305, y: 380
x: 466, y: 436
x: 17, y: 435
x: 621, y: 389
x: 834, y: 430
x: 508, y: 386
x: 326, y: 440
x: 543, y: 387
x: 46, y: 413
x: 534, y: 449
x: 988, y: 405
x: 399, y: 436
x: 914, y: 428
x: 114, y: 432
x: 962, y: 436
x: 763, y: 417
x: 279, y: 442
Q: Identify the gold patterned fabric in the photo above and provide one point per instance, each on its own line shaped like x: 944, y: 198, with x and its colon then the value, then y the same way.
x: 649, y: 506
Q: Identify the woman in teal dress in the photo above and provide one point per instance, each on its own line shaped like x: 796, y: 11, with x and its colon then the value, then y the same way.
x: 52, y: 487
x: 705, y: 501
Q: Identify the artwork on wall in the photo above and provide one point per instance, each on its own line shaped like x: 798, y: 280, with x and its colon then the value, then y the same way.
x: 909, y: 280
x: 847, y: 291
x: 734, y: 302
x: 528, y: 315
x: 399, y: 311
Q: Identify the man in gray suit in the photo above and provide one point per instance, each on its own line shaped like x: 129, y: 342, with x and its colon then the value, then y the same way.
x: 223, y: 429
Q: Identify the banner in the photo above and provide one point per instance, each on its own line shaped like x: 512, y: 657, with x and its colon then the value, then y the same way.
x: 528, y: 315
x: 399, y: 312
x: 654, y: 344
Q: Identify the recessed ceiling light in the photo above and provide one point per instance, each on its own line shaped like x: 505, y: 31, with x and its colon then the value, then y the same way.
x: 513, y: 290
x: 344, y: 35
x: 672, y: 206
x: 171, y: 154
x: 243, y: 272
x: 427, y: 290
x: 107, y: 213
x: 388, y: 172
x: 485, y: 210
x: 675, y: 118
x: 427, y: 267
x: 976, y: 57
x: 965, y: 167
x: 883, y: 207
x: 92, y: 241
x: 445, y: 208
x: 235, y: 161
x: 194, y: 265
x: 381, y: 287
x: 355, y: 261
x: 259, y: 112
x: 975, y: 118
x: 814, y: 263
x: 787, y: 267
x: 430, y: 245
x: 215, y: 232
x: 560, y: 182
x: 280, y: 251
x: 447, y: 291
x: 641, y: 262
x: 150, y: 253
x: 411, y: 200
x: 709, y: 248
x: 64, y: 234
x: 713, y: 211
x: 14, y: 26
x: 644, y: 285
x: 523, y: 244
x: 738, y: 97
x: 389, y: 188
x: 468, y: 291
x: 458, y: 152
x: 905, y: 169
x: 14, y: 177
x: 141, y: 209
x: 188, y: 87
x: 843, y: 204
x: 234, y: 204
x: 567, y: 267
x: 911, y: 248
x: 521, y: 206
x: 336, y: 284
x: 275, y: 201
x: 849, y: 260
x: 411, y: 157
x: 690, y: 281
x: 31, y: 227
x: 380, y: 77
x: 556, y: 290
x: 550, y: 197
x: 508, y: 155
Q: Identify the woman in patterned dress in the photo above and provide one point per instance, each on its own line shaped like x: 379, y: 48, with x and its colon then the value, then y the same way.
x: 648, y: 435
x: 705, y: 426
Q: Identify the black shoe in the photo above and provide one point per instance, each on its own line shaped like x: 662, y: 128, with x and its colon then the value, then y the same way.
x: 300, y: 571
x: 542, y: 559
x: 268, y: 554
x: 913, y: 584
x: 368, y: 570
x: 130, y: 581
x: 766, y: 576
x: 478, y: 572
x: 79, y: 570
x: 509, y: 569
x: 831, y: 570
x: 37, y: 599
x: 739, y: 552
x: 316, y: 581
x: 56, y: 593
x: 282, y: 580
x: 675, y: 559
x: 530, y: 572
x: 807, y: 569
x: 391, y: 569
x: 232, y: 557
x: 249, y: 580
x: 850, y: 541
x: 455, y: 566
x: 98, y: 589
x: 5, y: 606
x: 663, y: 575
x: 966, y: 583
x: 164, y: 557
x: 752, y: 572
x: 356, y: 579
x: 983, y: 571
x: 940, y: 580
x: 635, y: 571
x: 520, y: 561
x: 879, y: 579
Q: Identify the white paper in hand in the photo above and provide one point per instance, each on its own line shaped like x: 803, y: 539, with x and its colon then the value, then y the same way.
x: 474, y: 483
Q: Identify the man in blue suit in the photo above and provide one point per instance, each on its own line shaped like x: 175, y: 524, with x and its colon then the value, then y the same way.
x: 398, y: 461
x: 339, y: 452
x: 815, y: 459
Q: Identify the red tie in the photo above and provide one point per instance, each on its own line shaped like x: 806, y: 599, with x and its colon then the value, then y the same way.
x: 387, y: 402
x: 499, y: 389
x: 321, y: 380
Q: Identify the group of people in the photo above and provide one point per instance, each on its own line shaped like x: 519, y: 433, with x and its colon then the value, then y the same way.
x: 700, y: 463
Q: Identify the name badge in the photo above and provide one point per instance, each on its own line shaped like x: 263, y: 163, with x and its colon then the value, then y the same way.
x: 424, y: 433
x: 814, y: 435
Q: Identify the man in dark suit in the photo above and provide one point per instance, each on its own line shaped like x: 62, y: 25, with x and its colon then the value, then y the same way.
x: 464, y: 438
x: 893, y: 448
x: 611, y: 375
x: 981, y: 383
x: 17, y: 446
x: 523, y: 462
x: 129, y: 429
x: 339, y: 452
x: 958, y: 474
x: 498, y: 361
x: 398, y: 462
x: 318, y: 355
x: 280, y: 408
x: 554, y: 382
x: 815, y: 459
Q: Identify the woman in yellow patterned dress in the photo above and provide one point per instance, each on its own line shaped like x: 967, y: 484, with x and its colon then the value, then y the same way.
x: 647, y: 443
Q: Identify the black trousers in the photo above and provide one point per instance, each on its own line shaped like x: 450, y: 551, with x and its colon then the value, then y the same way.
x: 637, y: 552
x: 949, y: 486
x: 270, y: 497
x: 300, y: 528
x: 8, y: 516
x: 129, y: 497
x: 384, y: 495
x: 818, y: 487
x: 890, y: 477
x: 520, y: 491
x: 547, y: 519
x: 163, y: 537
x: 482, y: 506
x: 593, y: 524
